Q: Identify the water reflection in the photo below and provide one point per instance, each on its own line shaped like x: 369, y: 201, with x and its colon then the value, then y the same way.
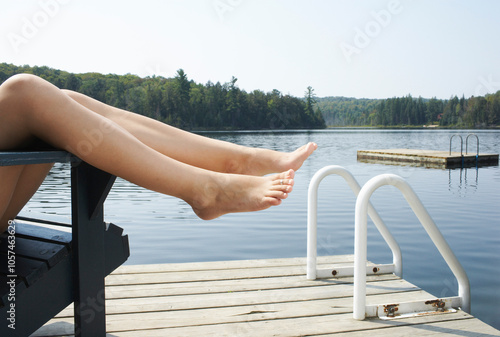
x: 460, y: 184
x: 54, y: 196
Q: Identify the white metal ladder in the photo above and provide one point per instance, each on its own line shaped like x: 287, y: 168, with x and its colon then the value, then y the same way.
x: 360, y: 269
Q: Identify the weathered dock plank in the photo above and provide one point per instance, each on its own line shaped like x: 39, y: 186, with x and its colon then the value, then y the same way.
x: 427, y: 158
x: 464, y: 327
x: 256, y: 298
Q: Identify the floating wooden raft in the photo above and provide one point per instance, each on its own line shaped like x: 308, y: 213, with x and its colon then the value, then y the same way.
x: 257, y: 298
x: 427, y: 158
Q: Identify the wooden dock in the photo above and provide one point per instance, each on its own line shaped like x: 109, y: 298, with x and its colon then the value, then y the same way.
x: 256, y: 298
x: 427, y: 158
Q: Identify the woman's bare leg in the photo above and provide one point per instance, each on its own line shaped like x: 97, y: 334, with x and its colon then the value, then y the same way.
x: 19, y: 183
x: 31, y: 108
x: 199, y: 151
x: 9, y: 175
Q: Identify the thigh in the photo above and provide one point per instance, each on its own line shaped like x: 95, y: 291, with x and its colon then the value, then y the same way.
x: 18, y: 184
x: 9, y: 176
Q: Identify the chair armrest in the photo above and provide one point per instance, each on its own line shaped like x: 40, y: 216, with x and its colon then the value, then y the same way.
x: 10, y: 158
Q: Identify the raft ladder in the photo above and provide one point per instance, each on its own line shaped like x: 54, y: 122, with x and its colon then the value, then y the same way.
x: 466, y: 146
x: 477, y: 144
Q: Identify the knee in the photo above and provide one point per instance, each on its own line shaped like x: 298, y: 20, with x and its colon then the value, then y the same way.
x: 21, y: 84
x: 70, y: 93
x: 22, y: 80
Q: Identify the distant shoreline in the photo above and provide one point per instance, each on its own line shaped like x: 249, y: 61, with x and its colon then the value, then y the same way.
x: 411, y: 127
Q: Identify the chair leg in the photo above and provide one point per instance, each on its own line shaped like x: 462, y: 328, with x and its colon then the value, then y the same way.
x: 89, y: 188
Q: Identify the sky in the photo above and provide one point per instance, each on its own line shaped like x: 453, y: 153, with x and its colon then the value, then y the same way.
x: 361, y: 49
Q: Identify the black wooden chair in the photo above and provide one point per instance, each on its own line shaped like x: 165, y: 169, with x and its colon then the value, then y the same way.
x: 43, y: 270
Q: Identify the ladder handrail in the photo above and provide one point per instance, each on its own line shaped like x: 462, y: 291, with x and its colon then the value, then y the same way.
x: 461, y: 144
x: 360, y: 246
x: 312, y: 212
x: 477, y: 142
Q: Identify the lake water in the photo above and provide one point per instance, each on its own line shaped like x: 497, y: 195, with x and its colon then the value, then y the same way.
x: 464, y: 203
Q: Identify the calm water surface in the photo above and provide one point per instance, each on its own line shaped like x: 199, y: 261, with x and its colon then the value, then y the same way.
x: 464, y: 203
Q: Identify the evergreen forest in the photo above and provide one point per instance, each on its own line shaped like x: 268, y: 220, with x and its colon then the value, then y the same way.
x: 473, y: 112
x: 183, y: 103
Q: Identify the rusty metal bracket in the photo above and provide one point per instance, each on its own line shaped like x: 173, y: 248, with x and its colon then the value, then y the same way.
x: 390, y: 309
x: 438, y: 304
x: 414, y: 308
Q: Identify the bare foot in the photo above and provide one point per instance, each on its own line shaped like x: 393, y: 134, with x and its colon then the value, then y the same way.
x: 260, y: 162
x: 231, y: 193
x: 294, y: 160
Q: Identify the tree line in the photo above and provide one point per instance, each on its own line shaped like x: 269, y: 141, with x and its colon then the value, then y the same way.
x: 181, y: 102
x: 473, y: 112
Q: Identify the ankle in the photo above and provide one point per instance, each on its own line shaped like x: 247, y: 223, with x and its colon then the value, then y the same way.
x: 241, y: 163
x: 204, y: 198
